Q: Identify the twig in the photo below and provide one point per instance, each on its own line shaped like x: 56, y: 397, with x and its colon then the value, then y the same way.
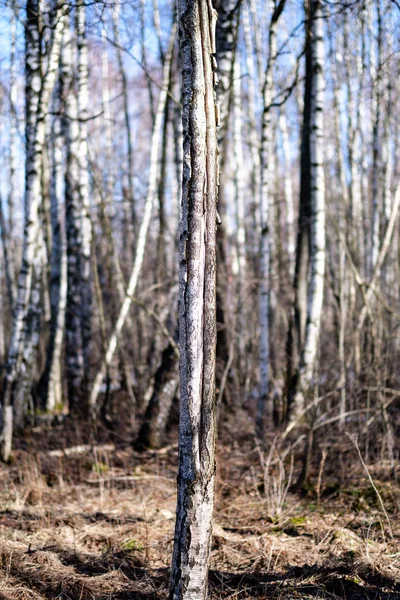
x: 159, y: 323
x: 319, y: 480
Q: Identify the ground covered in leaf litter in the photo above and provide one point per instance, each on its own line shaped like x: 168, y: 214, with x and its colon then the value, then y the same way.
x: 84, y: 522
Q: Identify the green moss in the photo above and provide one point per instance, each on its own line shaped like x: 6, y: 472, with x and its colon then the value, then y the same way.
x: 296, y: 521
x: 132, y: 544
x: 99, y: 467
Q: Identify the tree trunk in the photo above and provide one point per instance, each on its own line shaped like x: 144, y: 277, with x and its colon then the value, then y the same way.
x: 152, y: 431
x: 267, y: 173
x: 197, y: 306
x: 128, y: 191
x: 51, y: 384
x: 78, y: 224
x: 313, y: 171
x: 38, y: 90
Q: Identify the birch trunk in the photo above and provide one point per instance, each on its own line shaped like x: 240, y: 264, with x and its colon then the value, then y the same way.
x: 225, y: 44
x: 7, y: 254
x: 342, y: 207
x: 288, y: 191
x: 9, y: 262
x: 22, y: 398
x: 84, y: 187
x: 142, y: 235
x: 38, y: 90
x: 51, y: 385
x: 354, y: 143
x: 78, y: 225
x: 317, y: 206
x: 254, y: 142
x: 129, y: 202
x: 226, y: 32
x: 376, y: 149
x: 267, y: 173
x: 152, y: 431
x: 197, y: 306
x: 239, y: 176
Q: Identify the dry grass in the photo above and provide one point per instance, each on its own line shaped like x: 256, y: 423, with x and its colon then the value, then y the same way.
x: 98, y: 525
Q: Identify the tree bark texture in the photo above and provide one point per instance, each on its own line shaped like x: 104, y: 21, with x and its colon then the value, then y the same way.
x: 38, y: 91
x: 197, y: 305
x: 317, y: 209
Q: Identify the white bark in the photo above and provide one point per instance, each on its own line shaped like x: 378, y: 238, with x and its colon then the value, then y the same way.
x: 288, y: 190
x: 267, y: 174
x: 197, y: 307
x: 142, y: 235
x: 7, y: 254
x: 239, y: 174
x: 225, y: 42
x: 109, y: 166
x: 9, y: 263
x: 317, y: 192
x: 129, y: 207
x: 53, y: 396
x: 78, y: 223
x: 83, y: 100
x: 253, y: 134
x: 376, y: 149
x: 38, y: 96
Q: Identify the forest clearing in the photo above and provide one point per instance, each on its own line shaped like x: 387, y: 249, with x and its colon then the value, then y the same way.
x: 98, y: 524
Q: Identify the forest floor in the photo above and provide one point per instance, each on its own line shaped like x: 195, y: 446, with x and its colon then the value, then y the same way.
x: 97, y: 523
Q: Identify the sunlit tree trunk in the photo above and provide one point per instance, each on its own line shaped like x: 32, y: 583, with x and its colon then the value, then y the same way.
x: 288, y: 191
x: 376, y: 149
x: 225, y: 44
x: 51, y: 388
x: 38, y: 90
x: 267, y: 174
x: 128, y: 191
x: 10, y: 260
x: 315, y: 172
x: 254, y: 141
x: 197, y: 306
x: 8, y: 266
x: 78, y: 224
x: 342, y: 210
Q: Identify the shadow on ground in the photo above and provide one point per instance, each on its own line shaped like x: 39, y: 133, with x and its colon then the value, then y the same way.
x: 60, y: 573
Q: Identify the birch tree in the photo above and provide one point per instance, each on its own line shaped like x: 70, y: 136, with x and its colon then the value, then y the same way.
x: 78, y: 224
x: 313, y: 170
x: 197, y: 305
x: 266, y: 151
x: 38, y: 91
x: 51, y: 385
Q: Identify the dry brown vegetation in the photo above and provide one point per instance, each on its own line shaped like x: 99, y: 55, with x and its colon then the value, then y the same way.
x: 96, y: 522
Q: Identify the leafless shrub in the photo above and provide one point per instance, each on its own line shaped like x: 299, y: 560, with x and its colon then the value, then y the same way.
x: 277, y: 477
